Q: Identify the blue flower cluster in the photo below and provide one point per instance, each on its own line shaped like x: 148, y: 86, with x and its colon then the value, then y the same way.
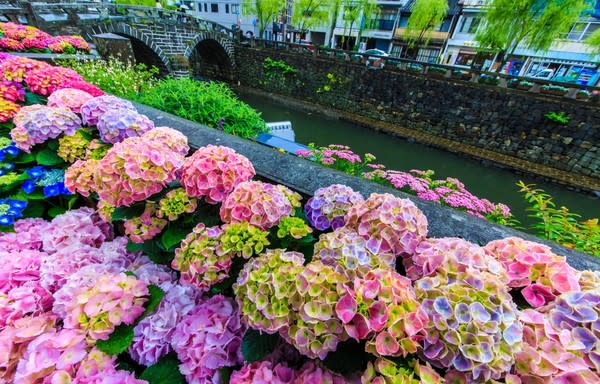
x: 50, y: 179
x: 7, y: 148
x: 10, y: 210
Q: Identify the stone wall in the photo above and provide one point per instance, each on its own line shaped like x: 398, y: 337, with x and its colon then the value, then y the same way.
x: 503, y: 120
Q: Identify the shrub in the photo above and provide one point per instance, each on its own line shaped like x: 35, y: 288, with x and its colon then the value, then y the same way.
x: 211, y: 104
x: 115, y: 77
x: 487, y: 79
x: 554, y: 90
x: 437, y: 71
x: 558, y: 117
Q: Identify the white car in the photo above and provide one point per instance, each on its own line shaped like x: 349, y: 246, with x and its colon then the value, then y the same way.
x: 374, y: 61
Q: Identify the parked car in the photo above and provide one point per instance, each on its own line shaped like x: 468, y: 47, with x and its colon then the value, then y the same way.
x: 304, y: 45
x: 377, y: 61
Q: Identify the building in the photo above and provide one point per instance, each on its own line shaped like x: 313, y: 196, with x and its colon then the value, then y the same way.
x: 568, y: 59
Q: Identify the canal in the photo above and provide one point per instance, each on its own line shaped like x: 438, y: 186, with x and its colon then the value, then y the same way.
x: 495, y: 184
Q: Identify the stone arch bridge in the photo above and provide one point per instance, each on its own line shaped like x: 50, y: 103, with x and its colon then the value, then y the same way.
x: 176, y: 45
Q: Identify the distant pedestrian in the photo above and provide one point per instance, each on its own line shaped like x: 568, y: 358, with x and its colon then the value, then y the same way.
x: 159, y: 7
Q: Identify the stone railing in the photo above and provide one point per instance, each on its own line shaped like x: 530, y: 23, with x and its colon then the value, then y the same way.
x: 306, y: 177
x: 44, y: 15
x: 527, y: 84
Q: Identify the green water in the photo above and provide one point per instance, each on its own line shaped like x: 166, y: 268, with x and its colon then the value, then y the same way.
x: 495, y: 184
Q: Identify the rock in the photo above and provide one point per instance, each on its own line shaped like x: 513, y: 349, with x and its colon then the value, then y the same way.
x: 567, y: 140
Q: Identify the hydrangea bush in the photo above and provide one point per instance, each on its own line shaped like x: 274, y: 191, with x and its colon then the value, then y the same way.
x: 183, y: 268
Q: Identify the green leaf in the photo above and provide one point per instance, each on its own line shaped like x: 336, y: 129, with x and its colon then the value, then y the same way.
x: 52, y: 145
x: 71, y: 202
x: 257, y: 345
x: 55, y: 211
x: 32, y: 98
x: 348, y: 357
x: 173, y: 236
x: 118, y: 342
x: 134, y: 247
x: 156, y: 295
x: 126, y: 213
x: 165, y: 371
x: 48, y: 157
x: 24, y: 158
x: 34, y: 210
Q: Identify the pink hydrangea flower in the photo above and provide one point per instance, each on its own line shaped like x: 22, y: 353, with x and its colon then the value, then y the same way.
x: 44, y: 81
x: 99, y: 368
x: 55, y: 270
x: 151, y: 273
x: 388, y: 223
x: 209, y: 338
x: 134, y: 170
x: 35, y: 124
x: 535, y: 267
x: 12, y: 91
x: 173, y: 139
x: 52, y: 356
x: 19, y: 267
x: 115, y: 125
x: 260, y: 204
x: 199, y: 258
x: 15, y: 338
x: 93, y: 109
x: 329, y: 205
x: 114, y: 299
x: 79, y: 177
x: 69, y: 98
x: 146, y: 226
x: 16, y: 68
x: 82, y: 86
x: 451, y: 255
x: 314, y: 372
x: 152, y: 336
x: 382, y: 307
x: 79, y: 226
x: 214, y: 171
x: 28, y: 299
x: 263, y: 372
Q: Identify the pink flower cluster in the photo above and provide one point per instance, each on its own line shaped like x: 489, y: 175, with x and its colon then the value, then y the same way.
x: 535, y: 268
x: 44, y: 81
x: 171, y: 138
x: 131, y: 171
x: 214, y: 171
x: 113, y: 300
x: 146, y: 226
x: 562, y: 341
x: 200, y: 259
x: 115, y: 125
x: 92, y: 110
x: 37, y: 123
x: 260, y: 204
x: 208, y: 338
x: 12, y: 91
x: 388, y: 223
x: 382, y: 307
x: 19, y: 37
x: 69, y: 98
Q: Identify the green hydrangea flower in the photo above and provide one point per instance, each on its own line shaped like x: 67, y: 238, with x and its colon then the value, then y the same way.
x: 73, y: 147
x: 176, y: 203
x: 243, y: 239
x: 294, y: 227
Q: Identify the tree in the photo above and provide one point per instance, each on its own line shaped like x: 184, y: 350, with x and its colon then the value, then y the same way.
x: 594, y: 41
x: 334, y: 9
x: 310, y: 13
x: 426, y: 14
x: 534, y: 24
x: 355, y: 12
x: 265, y: 11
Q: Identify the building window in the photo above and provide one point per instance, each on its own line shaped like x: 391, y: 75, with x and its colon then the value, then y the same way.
x: 396, y: 51
x: 200, y: 7
x: 428, y: 55
x: 214, y: 8
x: 469, y: 24
x: 226, y: 8
x: 205, y: 7
x: 235, y: 9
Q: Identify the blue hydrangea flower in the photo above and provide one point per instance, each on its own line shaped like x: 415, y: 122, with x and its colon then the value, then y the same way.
x: 8, y: 166
x: 36, y: 172
x: 52, y: 190
x: 10, y: 210
x: 28, y: 186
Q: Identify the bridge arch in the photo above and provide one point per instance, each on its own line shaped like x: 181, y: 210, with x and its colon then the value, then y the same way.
x: 210, y: 55
x: 145, y: 50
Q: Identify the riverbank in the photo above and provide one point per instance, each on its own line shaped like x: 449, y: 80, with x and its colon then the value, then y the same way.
x: 579, y: 183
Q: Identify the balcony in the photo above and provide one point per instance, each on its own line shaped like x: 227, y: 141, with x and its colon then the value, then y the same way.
x: 434, y: 36
x: 381, y: 25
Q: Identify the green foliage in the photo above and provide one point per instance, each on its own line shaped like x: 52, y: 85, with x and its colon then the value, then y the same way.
x: 425, y: 16
x: 554, y: 89
x: 559, y: 224
x: 560, y: 117
x: 265, y: 11
x: 355, y: 12
x: 173, y: 236
x: 487, y: 79
x: 331, y: 82
x: 310, y: 13
x: 48, y: 157
x: 256, y: 345
x: 165, y: 371
x: 118, y: 342
x: 533, y: 23
x: 437, y: 70
x: 594, y: 41
x: 156, y: 296
x: 211, y: 104
x: 271, y: 67
x: 115, y: 77
x: 144, y: 3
